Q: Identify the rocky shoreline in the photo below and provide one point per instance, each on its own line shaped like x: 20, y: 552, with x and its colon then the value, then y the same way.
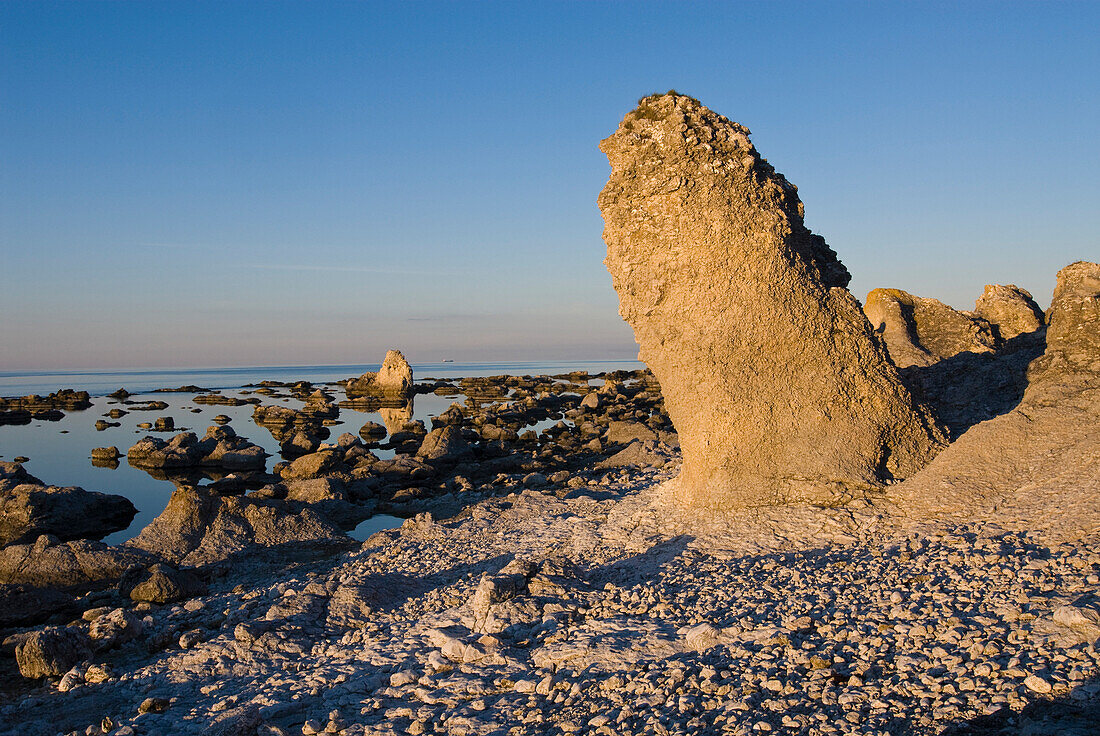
x: 553, y: 585
x: 876, y: 518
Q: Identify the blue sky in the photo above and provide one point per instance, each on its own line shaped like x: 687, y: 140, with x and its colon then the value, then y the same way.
x: 198, y: 184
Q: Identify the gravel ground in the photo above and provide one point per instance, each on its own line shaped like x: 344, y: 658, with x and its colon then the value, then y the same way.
x: 602, y: 610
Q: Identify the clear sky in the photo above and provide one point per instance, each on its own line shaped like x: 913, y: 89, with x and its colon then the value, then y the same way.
x: 203, y: 184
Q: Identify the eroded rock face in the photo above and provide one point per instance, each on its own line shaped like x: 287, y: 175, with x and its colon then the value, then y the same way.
x: 922, y: 331
x: 1073, y: 332
x: 1010, y: 309
x: 770, y: 372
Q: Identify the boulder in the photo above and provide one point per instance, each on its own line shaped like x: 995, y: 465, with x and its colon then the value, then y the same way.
x: 113, y: 629
x: 641, y: 454
x: 770, y: 371
x: 49, y: 563
x: 372, y: 431
x: 160, y: 583
x: 29, y: 508
x: 921, y: 331
x: 105, y: 454
x: 1010, y: 310
x: 445, y: 443
x: 199, y: 528
x: 313, y: 465
x: 623, y: 433
x: 51, y: 652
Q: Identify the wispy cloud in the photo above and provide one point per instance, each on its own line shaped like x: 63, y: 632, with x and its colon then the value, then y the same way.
x: 343, y: 269
x: 448, y: 317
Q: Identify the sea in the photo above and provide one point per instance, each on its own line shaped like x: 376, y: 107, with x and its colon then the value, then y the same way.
x: 59, y: 452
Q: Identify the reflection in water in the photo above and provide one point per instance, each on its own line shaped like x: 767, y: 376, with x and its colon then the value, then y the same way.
x: 395, y: 417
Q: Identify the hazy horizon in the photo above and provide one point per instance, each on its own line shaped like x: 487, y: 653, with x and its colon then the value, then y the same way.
x: 260, y: 184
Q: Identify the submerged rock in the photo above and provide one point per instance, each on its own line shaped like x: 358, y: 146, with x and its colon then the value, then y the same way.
x: 770, y: 372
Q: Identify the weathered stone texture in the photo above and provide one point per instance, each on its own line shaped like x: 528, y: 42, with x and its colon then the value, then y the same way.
x: 921, y: 331
x: 1010, y: 309
x: 770, y: 371
x: 1046, y: 450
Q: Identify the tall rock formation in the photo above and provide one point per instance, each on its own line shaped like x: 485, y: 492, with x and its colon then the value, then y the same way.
x: 921, y: 331
x: 769, y: 369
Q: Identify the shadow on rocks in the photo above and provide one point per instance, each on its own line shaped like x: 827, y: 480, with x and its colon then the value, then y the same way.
x: 1077, y: 713
x: 969, y: 388
x: 644, y: 565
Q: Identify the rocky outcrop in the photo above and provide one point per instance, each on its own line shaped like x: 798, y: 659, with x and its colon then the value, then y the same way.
x: 66, y: 399
x: 220, y: 447
x: 49, y: 563
x: 29, y: 508
x: 199, y: 528
x: 298, y: 432
x: 394, y: 379
x: 770, y: 371
x: 921, y: 331
x: 1073, y: 331
x: 1010, y: 310
x: 1045, y: 453
x: 160, y: 583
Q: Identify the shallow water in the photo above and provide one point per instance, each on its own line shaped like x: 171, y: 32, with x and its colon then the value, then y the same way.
x: 60, y: 452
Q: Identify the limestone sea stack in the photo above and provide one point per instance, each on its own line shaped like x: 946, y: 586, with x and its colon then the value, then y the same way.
x: 770, y: 371
x: 393, y: 380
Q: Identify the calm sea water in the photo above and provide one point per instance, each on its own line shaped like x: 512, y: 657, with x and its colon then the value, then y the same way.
x: 101, y: 383
x: 60, y: 452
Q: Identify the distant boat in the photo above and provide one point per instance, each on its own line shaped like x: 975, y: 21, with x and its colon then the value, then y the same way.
x: 448, y: 360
